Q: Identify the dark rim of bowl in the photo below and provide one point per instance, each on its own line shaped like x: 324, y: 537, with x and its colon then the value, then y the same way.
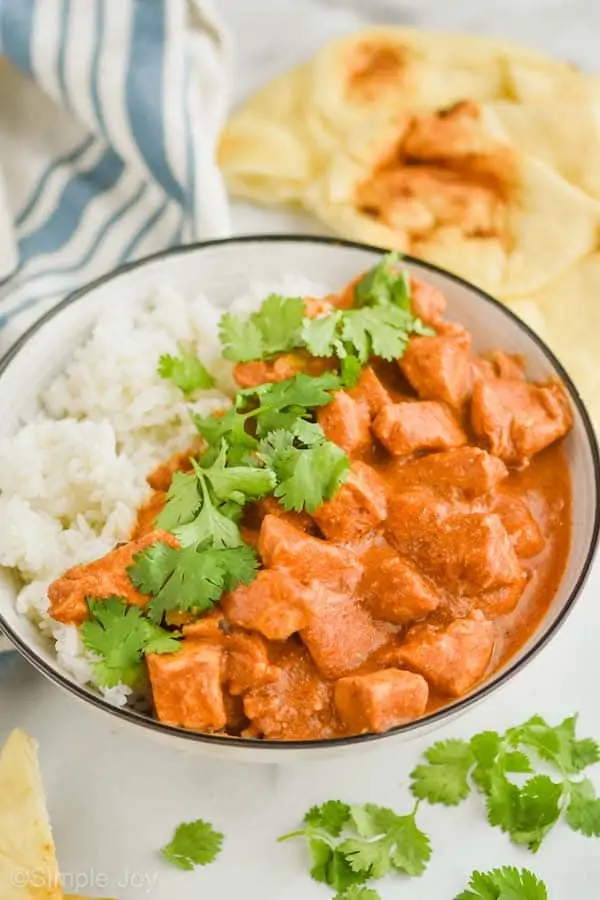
x: 436, y: 717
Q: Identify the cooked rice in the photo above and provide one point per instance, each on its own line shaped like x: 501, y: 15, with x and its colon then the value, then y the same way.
x: 72, y: 478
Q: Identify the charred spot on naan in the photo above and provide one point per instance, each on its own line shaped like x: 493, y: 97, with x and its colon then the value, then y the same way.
x: 375, y: 67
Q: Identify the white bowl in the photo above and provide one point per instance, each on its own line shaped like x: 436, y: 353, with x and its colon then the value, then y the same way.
x: 223, y: 270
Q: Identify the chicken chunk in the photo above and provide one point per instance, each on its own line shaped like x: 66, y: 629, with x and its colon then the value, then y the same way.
x: 305, y: 558
x: 103, y: 578
x: 247, y: 663
x: 405, y: 428
x: 359, y: 505
x: 286, y: 365
x: 427, y: 301
x: 465, y: 553
x: 517, y: 419
x: 341, y: 633
x: 187, y: 686
x: 397, y: 592
x: 461, y: 474
x: 346, y: 422
x: 296, y: 705
x: 380, y: 700
x: 270, y: 506
x: 370, y: 392
x: 523, y: 530
x: 451, y: 659
x: 274, y: 604
x: 438, y: 368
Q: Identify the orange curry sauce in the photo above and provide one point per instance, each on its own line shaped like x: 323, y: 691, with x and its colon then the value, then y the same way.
x: 431, y: 566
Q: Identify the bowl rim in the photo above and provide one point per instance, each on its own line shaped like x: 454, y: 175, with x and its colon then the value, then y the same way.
x: 438, y: 716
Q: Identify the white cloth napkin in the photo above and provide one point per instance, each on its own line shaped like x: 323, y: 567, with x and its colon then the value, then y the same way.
x: 109, y: 113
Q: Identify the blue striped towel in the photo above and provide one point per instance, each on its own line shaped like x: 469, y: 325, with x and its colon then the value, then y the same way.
x: 109, y: 114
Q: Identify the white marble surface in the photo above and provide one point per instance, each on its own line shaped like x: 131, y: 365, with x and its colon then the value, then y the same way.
x: 114, y: 801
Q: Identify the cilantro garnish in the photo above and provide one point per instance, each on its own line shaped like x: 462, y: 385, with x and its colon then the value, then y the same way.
x: 186, y: 371
x: 352, y: 844
x: 507, y: 883
x: 190, y: 579
x: 308, y: 467
x: 193, y: 844
x: 525, y: 808
x: 380, y: 323
x: 358, y: 892
x: 120, y: 635
x: 273, y: 329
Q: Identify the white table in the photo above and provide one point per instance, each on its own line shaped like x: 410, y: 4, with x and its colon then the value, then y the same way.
x: 115, y: 799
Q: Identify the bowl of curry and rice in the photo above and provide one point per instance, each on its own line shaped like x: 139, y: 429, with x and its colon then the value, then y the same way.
x: 293, y: 495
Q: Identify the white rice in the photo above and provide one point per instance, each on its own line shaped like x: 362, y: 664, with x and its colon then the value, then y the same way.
x: 72, y: 478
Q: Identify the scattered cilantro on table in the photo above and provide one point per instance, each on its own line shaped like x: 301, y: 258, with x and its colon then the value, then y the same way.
x: 193, y: 844
x: 507, y: 883
x: 186, y: 371
x: 350, y: 845
x: 526, y: 808
x: 120, y: 635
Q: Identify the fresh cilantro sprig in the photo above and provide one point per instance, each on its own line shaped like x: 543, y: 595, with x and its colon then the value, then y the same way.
x: 380, y: 323
x: 193, y: 844
x: 350, y: 845
x: 309, y: 468
x: 275, y: 328
x: 186, y: 371
x: 358, y: 892
x: 120, y: 636
x: 525, y: 808
x: 507, y: 883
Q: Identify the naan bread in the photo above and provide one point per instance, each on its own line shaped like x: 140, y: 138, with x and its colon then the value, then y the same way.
x: 28, y: 866
x: 440, y: 186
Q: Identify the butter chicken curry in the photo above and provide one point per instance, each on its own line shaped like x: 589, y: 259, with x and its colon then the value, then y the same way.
x: 430, y: 561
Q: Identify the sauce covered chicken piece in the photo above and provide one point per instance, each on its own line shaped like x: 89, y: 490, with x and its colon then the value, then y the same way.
x: 462, y: 474
x: 380, y: 700
x: 438, y: 368
x: 296, y: 705
x: 406, y: 428
x: 358, y: 507
x: 187, y: 686
x: 305, y: 558
x: 523, y: 530
x: 341, y: 633
x: 396, y: 591
x: 465, y: 553
x: 517, y: 419
x: 286, y: 365
x: 452, y: 659
x: 427, y: 301
x: 346, y: 422
x: 274, y: 604
x: 369, y: 391
x: 103, y: 578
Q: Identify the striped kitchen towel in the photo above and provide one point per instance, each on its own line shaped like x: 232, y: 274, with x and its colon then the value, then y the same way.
x: 109, y: 114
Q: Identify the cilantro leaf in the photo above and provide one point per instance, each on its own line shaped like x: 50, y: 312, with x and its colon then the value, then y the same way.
x: 309, y: 469
x: 282, y: 403
x: 583, y: 811
x: 331, y: 816
x: 385, y: 283
x: 445, y: 779
x: 358, y: 892
x: 275, y: 328
x: 241, y: 339
x: 189, y: 578
x: 182, y: 502
x: 393, y: 842
x: 320, y: 335
x: 507, y: 883
x: 556, y: 745
x: 186, y: 371
x: 331, y: 867
x: 119, y: 634
x: 193, y: 844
